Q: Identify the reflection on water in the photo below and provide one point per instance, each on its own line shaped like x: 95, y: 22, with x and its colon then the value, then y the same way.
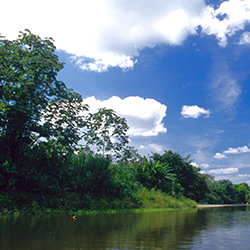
x: 210, y: 228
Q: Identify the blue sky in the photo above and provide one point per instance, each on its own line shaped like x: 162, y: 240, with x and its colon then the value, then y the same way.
x: 179, y: 71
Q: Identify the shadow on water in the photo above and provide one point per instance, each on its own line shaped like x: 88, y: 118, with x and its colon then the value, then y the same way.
x: 181, y: 229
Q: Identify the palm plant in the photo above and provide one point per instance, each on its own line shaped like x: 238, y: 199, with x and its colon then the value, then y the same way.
x: 153, y: 174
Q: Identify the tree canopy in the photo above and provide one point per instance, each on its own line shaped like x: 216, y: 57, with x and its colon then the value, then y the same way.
x: 34, y: 104
x: 106, y: 131
x: 187, y: 176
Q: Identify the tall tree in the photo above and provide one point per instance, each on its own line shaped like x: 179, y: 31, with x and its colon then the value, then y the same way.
x: 34, y: 104
x: 129, y: 155
x: 107, y: 132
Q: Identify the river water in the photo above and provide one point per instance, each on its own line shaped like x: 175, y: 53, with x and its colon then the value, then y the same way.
x: 208, y: 228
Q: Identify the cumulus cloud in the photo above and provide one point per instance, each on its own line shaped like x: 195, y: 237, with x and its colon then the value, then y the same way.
x: 239, y: 178
x: 219, y: 156
x: 144, y: 116
x: 245, y: 38
x: 110, y: 33
x: 194, y: 164
x: 238, y: 150
x: 194, y: 111
x: 204, y: 165
x: 223, y: 22
x: 103, y: 33
x: 152, y: 146
x: 224, y: 171
x: 244, y: 175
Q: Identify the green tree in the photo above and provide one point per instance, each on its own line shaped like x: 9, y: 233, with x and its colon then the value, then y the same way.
x: 153, y: 174
x: 219, y: 192
x: 213, y: 194
x: 228, y: 191
x: 242, y: 191
x: 129, y: 155
x: 248, y: 198
x: 34, y: 104
x: 106, y: 131
x: 186, y: 175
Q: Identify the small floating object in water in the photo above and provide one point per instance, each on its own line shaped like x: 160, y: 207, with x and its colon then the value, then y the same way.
x: 74, y: 217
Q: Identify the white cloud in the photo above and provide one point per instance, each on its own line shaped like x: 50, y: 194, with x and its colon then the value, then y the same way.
x: 237, y: 179
x: 219, y: 156
x: 150, y: 147
x: 243, y: 175
x: 230, y: 17
x: 238, y: 150
x: 194, y: 111
x: 204, y: 165
x: 245, y: 38
x: 224, y: 171
x: 144, y: 116
x: 194, y: 164
x: 103, y: 33
x: 111, y: 33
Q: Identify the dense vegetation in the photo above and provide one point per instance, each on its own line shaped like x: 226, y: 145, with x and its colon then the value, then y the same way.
x: 48, y: 162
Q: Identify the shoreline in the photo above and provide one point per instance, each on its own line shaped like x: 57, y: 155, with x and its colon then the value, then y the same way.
x: 223, y: 205
x: 117, y: 211
x: 92, y: 212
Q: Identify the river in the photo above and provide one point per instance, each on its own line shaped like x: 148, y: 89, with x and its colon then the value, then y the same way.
x: 207, y: 228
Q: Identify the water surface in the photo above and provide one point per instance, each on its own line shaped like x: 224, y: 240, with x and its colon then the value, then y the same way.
x: 209, y: 228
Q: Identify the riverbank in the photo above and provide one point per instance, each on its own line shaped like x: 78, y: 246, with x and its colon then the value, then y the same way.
x: 222, y: 205
x: 142, y: 200
x: 75, y: 214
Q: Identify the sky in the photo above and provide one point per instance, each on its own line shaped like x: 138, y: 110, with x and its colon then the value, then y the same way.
x: 177, y: 70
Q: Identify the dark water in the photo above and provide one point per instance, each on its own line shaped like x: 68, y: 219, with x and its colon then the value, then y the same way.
x: 210, y: 228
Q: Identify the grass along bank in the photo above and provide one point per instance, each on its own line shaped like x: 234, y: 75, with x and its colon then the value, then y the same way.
x: 142, y: 200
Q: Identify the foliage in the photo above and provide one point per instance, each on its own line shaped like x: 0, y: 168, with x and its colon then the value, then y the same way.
x: 220, y: 192
x: 248, y: 198
x: 90, y: 175
x: 106, y: 131
x: 213, y: 196
x: 38, y: 172
x: 228, y: 191
x: 129, y: 155
x: 157, y: 199
x: 154, y: 175
x: 243, y: 192
x: 124, y: 180
x: 34, y: 104
x: 96, y: 176
x: 187, y: 177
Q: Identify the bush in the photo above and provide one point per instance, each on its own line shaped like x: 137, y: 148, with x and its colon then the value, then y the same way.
x: 157, y: 199
x: 124, y: 180
x: 153, y: 174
